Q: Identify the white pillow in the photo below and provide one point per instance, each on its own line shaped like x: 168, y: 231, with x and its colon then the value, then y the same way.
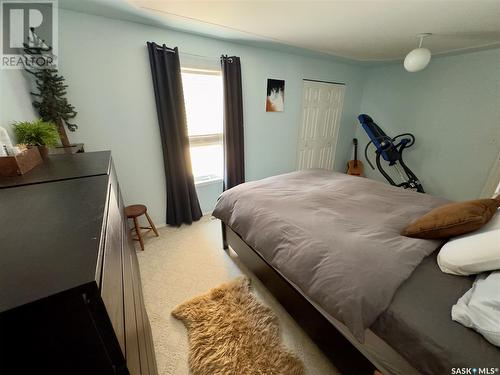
x: 479, y: 308
x: 474, y: 252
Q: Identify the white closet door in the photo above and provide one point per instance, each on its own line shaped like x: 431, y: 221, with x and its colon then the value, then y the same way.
x: 321, y: 113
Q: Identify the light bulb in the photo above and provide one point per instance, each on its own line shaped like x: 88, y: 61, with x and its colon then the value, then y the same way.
x: 417, y: 59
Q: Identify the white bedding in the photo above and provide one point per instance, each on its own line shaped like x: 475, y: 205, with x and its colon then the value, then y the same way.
x: 479, y: 308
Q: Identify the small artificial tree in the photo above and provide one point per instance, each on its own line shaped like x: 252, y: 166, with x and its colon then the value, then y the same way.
x: 50, y: 100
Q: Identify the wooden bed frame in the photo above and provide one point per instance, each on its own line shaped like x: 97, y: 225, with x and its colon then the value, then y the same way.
x: 345, y: 357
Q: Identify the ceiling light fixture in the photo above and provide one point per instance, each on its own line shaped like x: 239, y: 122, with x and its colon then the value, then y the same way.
x: 419, y: 58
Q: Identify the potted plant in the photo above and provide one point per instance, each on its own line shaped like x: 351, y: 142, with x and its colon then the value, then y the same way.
x: 37, y: 133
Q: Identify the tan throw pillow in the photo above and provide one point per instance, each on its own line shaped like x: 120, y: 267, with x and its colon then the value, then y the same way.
x: 453, y: 219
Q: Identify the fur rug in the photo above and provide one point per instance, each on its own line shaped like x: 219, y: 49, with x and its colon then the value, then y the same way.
x: 231, y: 333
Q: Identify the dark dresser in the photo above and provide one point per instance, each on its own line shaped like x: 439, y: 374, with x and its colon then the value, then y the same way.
x: 70, y: 291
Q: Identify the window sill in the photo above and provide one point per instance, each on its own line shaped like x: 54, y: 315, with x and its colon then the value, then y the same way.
x: 208, y: 182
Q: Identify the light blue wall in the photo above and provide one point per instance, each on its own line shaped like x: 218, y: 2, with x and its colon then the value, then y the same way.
x: 453, y: 109
x: 15, y: 100
x: 105, y: 63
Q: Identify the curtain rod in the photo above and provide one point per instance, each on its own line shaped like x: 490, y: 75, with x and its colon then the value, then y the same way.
x: 185, y: 53
x: 164, y: 48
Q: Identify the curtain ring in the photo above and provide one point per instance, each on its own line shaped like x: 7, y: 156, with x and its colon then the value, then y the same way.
x: 228, y: 59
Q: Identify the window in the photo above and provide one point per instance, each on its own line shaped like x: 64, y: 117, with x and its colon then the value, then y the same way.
x: 204, y: 112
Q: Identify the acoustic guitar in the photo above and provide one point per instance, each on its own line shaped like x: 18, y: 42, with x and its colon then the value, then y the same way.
x: 355, y: 166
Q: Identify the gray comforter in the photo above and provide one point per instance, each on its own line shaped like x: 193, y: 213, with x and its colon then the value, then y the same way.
x: 336, y: 237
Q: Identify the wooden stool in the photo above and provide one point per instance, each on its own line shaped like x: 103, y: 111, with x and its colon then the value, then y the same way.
x: 133, y: 212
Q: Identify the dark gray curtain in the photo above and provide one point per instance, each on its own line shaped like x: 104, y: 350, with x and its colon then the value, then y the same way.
x: 182, y: 201
x: 234, y: 148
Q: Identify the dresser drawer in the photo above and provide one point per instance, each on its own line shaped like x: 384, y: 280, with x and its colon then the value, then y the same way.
x: 138, y: 338
x: 112, y: 279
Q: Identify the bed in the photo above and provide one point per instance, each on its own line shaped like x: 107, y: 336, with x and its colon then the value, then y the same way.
x: 327, y: 245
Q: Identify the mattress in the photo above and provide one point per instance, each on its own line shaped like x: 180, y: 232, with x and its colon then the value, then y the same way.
x: 418, y: 324
x: 335, y: 236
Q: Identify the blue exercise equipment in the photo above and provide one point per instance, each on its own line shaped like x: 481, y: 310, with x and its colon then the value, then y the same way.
x: 391, y: 150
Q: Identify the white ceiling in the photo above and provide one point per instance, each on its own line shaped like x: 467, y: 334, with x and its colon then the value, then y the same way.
x: 360, y: 30
x: 369, y: 30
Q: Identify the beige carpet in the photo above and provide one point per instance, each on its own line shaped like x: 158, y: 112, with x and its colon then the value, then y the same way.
x: 185, y: 262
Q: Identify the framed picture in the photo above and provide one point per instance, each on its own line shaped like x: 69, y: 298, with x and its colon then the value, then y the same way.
x: 275, y: 100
